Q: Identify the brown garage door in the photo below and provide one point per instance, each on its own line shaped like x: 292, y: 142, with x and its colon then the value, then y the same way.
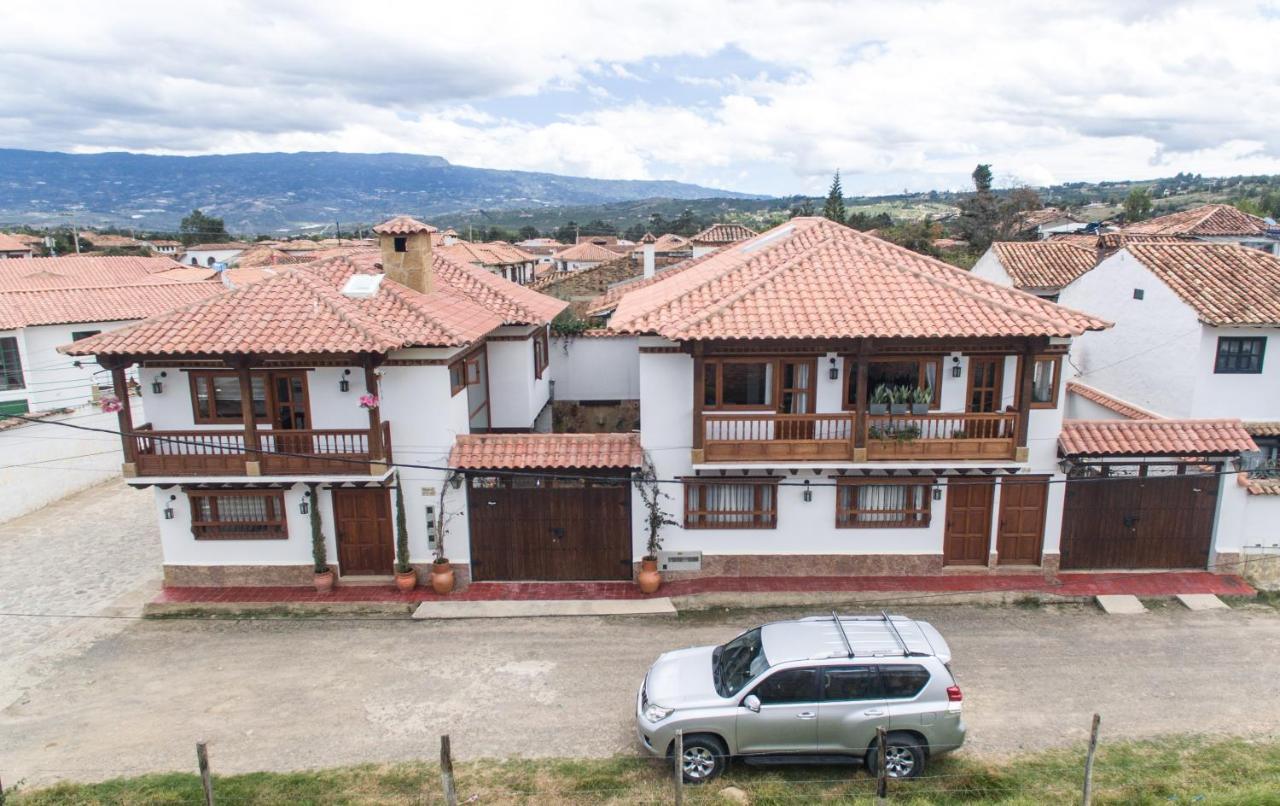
x: 1139, y: 516
x: 549, y: 529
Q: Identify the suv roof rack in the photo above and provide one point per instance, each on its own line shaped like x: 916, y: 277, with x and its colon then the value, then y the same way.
x: 897, y: 636
x: 848, y: 648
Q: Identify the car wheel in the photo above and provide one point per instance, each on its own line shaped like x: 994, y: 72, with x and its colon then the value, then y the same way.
x: 704, y: 759
x: 903, y: 756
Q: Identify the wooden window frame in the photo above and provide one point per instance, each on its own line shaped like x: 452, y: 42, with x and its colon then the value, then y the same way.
x: 541, y: 353
x: 196, y: 375
x: 851, y: 376
x: 846, y: 516
x: 717, y: 363
x: 209, y: 530
x: 1218, y: 355
x: 9, y: 349
x: 762, y: 516
x: 78, y: 335
x: 457, y: 377
x: 1052, y: 403
x: 998, y: 388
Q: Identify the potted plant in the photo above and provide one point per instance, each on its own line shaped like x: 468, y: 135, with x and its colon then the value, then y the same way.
x: 921, y: 398
x: 900, y: 402
x: 907, y: 433
x: 406, y: 574
x: 442, y: 576
x: 650, y: 578
x: 880, y: 400
x: 319, y: 555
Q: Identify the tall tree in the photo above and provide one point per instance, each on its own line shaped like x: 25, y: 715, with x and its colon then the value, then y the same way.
x: 201, y: 228
x: 805, y: 208
x: 1137, y: 205
x: 528, y: 233
x: 834, y: 206
x: 982, y: 178
x: 980, y: 213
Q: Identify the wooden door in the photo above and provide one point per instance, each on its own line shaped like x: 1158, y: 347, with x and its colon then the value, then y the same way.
x: 365, y: 539
x: 795, y: 396
x: 290, y: 411
x: 1023, y: 502
x: 986, y: 381
x: 967, y: 537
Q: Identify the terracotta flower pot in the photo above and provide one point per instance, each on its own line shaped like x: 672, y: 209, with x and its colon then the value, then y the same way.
x: 324, y: 582
x: 442, y: 577
x: 649, y: 578
x: 407, y: 581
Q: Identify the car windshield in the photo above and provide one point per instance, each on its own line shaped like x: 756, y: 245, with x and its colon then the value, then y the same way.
x: 738, y: 662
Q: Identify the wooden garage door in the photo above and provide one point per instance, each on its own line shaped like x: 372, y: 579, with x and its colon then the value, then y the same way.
x: 1142, y: 517
x: 562, y: 529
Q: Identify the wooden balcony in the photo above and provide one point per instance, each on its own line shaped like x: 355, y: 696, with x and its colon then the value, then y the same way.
x: 278, y: 453
x: 832, y: 437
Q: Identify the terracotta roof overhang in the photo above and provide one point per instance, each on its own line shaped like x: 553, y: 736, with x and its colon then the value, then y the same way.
x: 53, y: 306
x: 1191, y: 438
x: 1115, y: 404
x: 546, y: 451
x: 1207, y: 221
x: 1226, y: 284
x: 402, y: 225
x: 1046, y: 265
x: 1263, y: 428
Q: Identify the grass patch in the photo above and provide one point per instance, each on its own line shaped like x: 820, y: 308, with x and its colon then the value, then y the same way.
x: 1177, y: 770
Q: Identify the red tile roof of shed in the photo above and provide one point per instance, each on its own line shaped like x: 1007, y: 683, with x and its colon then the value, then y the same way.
x: 1205, y: 221
x: 1044, y: 264
x: 519, y: 451
x: 1153, y: 438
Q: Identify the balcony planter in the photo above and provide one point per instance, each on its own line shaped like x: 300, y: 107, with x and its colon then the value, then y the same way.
x: 899, y: 408
x: 878, y: 408
x: 880, y: 400
x: 919, y: 408
x: 650, y: 578
x: 442, y: 579
x: 920, y: 400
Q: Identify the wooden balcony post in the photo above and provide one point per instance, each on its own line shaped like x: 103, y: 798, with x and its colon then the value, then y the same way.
x: 1025, y: 381
x: 863, y: 370
x: 252, y: 458
x: 376, y: 450
x: 120, y: 388
x: 699, y: 393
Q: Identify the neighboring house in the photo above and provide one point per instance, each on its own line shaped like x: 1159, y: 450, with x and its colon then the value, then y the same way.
x: 162, y: 247
x: 1216, y: 223
x: 11, y: 247
x: 582, y: 256
x: 256, y: 416
x: 1037, y: 267
x: 718, y: 235
x: 211, y: 254
x: 47, y: 302
x: 103, y: 240
x: 498, y: 257
x: 1045, y: 222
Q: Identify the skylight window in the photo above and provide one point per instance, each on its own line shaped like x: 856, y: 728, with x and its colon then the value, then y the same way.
x: 362, y: 286
x: 764, y: 240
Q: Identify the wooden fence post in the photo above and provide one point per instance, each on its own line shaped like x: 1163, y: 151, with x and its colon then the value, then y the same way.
x: 677, y: 758
x: 446, y: 772
x: 206, y: 778
x: 882, y: 772
x: 1087, y: 795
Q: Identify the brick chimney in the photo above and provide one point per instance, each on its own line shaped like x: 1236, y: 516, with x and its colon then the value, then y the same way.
x: 406, y: 252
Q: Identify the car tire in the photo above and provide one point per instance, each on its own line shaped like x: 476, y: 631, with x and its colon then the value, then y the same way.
x: 904, y: 756
x: 705, y: 757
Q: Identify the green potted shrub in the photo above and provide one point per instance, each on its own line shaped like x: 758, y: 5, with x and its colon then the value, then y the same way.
x: 406, y: 574
x: 651, y: 493
x: 442, y: 576
x: 880, y: 400
x: 319, y: 554
x: 900, y: 402
x: 921, y: 398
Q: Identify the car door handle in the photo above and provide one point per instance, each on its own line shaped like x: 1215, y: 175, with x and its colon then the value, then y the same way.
x: 806, y: 715
x: 873, y: 712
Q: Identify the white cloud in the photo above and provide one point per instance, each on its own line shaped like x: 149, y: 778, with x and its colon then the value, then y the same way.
x: 901, y: 95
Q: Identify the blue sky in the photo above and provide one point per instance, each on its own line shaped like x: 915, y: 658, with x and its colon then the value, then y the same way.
x: 754, y: 95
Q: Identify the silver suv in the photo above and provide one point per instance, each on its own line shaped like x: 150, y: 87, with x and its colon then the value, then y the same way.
x: 815, y: 687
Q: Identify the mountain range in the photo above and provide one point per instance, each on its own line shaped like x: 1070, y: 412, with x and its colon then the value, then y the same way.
x: 265, y: 192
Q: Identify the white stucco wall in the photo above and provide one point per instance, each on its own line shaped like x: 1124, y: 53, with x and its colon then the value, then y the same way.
x: 990, y: 268
x: 1149, y: 357
x: 516, y: 396
x: 597, y: 368
x: 1261, y: 521
x: 202, y: 256
x: 52, y: 379
x: 1249, y: 397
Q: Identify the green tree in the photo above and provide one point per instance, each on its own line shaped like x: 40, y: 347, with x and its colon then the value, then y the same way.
x: 982, y: 178
x: 1137, y: 205
x: 834, y: 206
x: 918, y: 236
x: 200, y: 228
x: 805, y: 208
x: 862, y: 221
x: 567, y: 232
x: 979, y: 218
x: 528, y: 233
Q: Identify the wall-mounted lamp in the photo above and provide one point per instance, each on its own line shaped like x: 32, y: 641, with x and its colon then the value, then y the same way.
x: 833, y: 373
x: 344, y: 385
x: 304, y: 506
x: 455, y: 481
x: 168, y: 508
x: 808, y: 492
x: 937, y: 493
x: 955, y: 366
x: 157, y: 386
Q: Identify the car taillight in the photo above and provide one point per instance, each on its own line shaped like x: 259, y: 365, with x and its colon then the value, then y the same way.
x: 953, y: 694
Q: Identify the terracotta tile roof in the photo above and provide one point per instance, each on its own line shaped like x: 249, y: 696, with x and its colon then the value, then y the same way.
x: 260, y: 255
x: 80, y: 271
x: 1153, y: 438
x: 8, y: 243
x: 648, y: 238
x: 53, y: 306
x: 1115, y: 240
x: 162, y: 242
x: 1205, y: 221
x: 813, y: 278
x: 1044, y: 264
x: 1226, y: 284
x: 246, y: 275
x: 493, y: 253
x: 103, y: 240
x: 1115, y: 404
x: 1038, y: 218
x: 1077, y: 238
x: 1258, y: 428
x: 218, y: 247
x: 671, y: 243
x: 188, y: 274
x: 608, y: 301
x: 720, y: 234
x: 586, y: 252
x: 402, y: 225
x: 521, y: 451
x: 1262, y: 486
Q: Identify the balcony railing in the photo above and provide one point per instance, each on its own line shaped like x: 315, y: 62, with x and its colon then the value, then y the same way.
x: 830, y: 437
x: 278, y: 452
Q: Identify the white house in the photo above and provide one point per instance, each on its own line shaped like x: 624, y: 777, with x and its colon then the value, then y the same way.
x: 1212, y: 223
x: 583, y: 255
x: 211, y: 254
x: 47, y: 302
x: 11, y: 247
x: 717, y: 236
x: 498, y: 257
x: 1037, y: 267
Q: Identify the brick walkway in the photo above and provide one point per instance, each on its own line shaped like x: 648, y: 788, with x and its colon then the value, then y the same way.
x: 1146, y: 584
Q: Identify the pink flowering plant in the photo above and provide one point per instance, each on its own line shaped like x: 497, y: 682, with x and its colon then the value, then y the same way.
x: 110, y: 404
x: 368, y: 401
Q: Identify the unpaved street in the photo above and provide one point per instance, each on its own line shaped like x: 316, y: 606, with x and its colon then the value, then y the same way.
x: 299, y: 693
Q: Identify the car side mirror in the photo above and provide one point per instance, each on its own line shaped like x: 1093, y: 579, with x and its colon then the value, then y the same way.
x: 752, y: 703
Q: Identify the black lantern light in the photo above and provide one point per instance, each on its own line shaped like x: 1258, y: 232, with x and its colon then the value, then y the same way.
x: 455, y: 481
x: 808, y: 492
x: 955, y: 366
x: 833, y: 373
x: 157, y: 386
x: 168, y: 508
x: 344, y: 385
x: 304, y: 506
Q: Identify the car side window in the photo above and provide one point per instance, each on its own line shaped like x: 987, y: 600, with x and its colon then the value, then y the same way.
x: 850, y: 683
x: 903, y: 682
x: 788, y: 686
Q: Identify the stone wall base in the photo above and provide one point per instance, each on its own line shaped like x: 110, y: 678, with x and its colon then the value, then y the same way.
x: 461, y: 575
x: 236, y: 576
x: 1261, y: 569
x: 836, y: 565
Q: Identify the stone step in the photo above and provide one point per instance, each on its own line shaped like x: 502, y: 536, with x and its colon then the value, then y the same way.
x: 1202, y: 601
x: 1120, y: 604
x: 540, y: 608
